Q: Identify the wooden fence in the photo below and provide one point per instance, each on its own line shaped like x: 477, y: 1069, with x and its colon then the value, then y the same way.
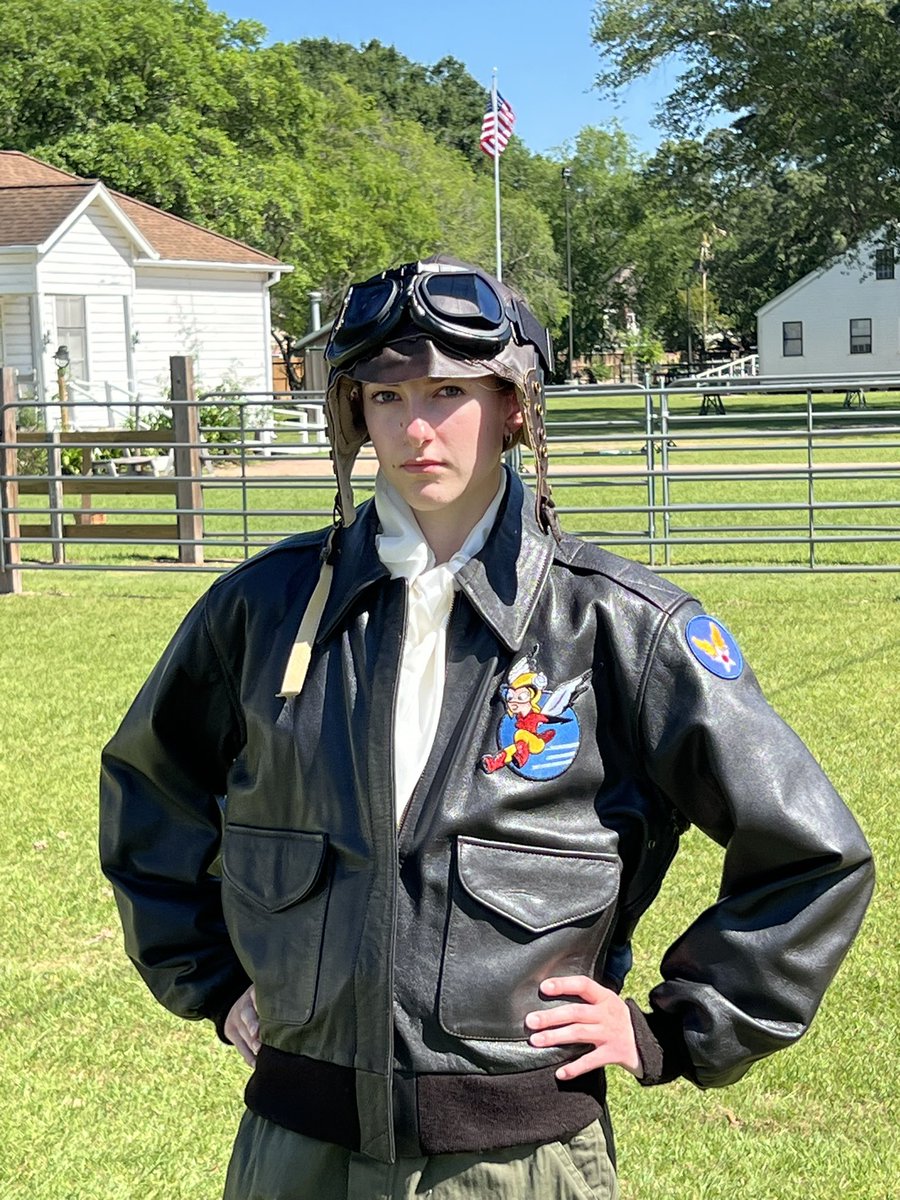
x: 183, y: 439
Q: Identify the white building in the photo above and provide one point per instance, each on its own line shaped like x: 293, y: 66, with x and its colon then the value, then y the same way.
x: 843, y: 319
x: 122, y: 286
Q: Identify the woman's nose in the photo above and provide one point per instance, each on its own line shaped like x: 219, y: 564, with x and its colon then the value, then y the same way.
x: 418, y: 431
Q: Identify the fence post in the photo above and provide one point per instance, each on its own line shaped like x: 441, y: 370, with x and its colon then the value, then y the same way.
x: 186, y: 431
x: 10, y: 550
x: 650, y: 455
x: 56, y: 496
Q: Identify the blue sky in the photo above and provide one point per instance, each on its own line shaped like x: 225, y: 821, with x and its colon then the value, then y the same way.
x: 543, y: 53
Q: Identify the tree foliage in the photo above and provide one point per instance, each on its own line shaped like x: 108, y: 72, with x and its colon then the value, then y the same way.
x: 631, y: 243
x: 190, y: 111
x: 810, y: 158
x: 337, y: 159
x: 444, y: 99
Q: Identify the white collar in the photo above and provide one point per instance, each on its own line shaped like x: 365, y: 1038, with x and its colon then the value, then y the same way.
x: 401, y: 545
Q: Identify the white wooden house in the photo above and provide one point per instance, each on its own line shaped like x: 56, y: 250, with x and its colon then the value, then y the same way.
x: 122, y: 286
x: 842, y: 319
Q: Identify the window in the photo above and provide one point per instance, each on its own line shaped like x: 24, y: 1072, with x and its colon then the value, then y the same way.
x: 71, y: 331
x: 861, y: 335
x: 792, y: 339
x: 884, y: 263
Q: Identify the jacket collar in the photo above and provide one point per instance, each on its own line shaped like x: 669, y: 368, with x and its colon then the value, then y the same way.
x: 356, y: 566
x: 502, y: 582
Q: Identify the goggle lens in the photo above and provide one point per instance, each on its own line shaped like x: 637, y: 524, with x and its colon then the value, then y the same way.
x: 466, y: 298
x: 367, y: 303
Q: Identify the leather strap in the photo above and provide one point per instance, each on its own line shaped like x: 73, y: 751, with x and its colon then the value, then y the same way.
x: 301, y: 651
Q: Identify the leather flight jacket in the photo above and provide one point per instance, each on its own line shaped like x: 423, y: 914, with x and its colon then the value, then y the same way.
x: 252, y: 837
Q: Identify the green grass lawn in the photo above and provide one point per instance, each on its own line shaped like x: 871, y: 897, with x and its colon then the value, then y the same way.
x: 107, y: 1097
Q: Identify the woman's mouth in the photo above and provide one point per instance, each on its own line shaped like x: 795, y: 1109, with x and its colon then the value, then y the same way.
x: 417, y: 466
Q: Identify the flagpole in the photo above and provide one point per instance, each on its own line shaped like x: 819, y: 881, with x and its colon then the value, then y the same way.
x: 496, y: 173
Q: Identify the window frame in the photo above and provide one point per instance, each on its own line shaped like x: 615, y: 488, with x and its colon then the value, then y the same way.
x: 885, y: 262
x: 860, y: 343
x: 791, y: 339
x: 64, y: 331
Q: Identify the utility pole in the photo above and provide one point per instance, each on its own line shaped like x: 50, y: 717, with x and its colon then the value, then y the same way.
x: 567, y: 177
x: 705, y: 255
x: 690, y: 341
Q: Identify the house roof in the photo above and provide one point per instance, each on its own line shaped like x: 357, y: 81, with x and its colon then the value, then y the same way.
x: 30, y: 214
x: 36, y: 198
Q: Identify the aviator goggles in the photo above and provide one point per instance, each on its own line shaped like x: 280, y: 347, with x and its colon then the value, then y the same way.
x: 456, y: 306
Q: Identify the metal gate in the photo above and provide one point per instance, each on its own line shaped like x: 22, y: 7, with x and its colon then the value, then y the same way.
x: 762, y: 478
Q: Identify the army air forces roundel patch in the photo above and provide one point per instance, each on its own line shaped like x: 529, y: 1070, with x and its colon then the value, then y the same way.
x: 714, y: 647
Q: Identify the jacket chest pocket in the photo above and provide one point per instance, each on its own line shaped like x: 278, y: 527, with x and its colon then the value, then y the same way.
x: 518, y: 915
x: 274, y: 895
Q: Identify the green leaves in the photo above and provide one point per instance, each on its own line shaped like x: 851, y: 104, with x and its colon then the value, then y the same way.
x: 810, y: 91
x: 333, y: 159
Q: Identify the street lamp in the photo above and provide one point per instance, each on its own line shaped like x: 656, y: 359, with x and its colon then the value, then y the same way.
x: 62, y: 360
x: 567, y: 178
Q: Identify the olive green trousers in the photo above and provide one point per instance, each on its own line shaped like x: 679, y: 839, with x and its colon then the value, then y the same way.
x: 272, y: 1163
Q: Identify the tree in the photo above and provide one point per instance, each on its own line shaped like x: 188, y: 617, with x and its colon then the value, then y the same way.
x: 187, y: 110
x: 811, y: 87
x: 766, y: 223
x: 444, y: 99
x: 84, y: 64
x: 631, y: 246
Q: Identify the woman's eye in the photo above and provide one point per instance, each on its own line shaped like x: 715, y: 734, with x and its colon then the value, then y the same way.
x: 451, y: 390
x: 384, y: 396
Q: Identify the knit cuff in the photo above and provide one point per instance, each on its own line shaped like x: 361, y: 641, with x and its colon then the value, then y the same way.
x: 660, y: 1046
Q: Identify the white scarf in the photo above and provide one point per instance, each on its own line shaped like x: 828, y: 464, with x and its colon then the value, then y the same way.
x: 420, y: 688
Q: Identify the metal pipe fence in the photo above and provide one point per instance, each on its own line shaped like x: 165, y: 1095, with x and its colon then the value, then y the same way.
x: 792, y: 481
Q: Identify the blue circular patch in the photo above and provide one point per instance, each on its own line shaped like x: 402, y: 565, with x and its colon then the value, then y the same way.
x: 714, y: 647
x: 558, y: 754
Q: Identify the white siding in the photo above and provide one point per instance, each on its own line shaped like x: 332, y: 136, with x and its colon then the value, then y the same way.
x: 16, y: 273
x: 219, y: 317
x: 15, y: 342
x: 93, y: 255
x: 825, y: 303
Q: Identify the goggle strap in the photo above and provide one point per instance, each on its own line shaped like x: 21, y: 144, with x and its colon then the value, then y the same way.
x: 534, y: 332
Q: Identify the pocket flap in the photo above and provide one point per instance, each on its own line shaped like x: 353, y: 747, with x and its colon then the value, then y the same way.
x: 537, y: 888
x: 272, y: 867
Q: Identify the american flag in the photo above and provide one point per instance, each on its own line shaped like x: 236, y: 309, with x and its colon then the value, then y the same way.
x: 506, y: 118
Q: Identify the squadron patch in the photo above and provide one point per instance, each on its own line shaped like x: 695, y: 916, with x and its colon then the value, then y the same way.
x: 538, y: 735
x: 714, y: 647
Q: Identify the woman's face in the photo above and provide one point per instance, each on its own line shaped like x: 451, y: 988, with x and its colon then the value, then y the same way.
x: 439, y: 442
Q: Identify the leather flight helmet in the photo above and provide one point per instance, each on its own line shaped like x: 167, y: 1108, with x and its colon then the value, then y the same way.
x: 439, y: 317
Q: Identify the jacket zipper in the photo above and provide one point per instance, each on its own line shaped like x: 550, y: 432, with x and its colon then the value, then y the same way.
x: 395, y: 878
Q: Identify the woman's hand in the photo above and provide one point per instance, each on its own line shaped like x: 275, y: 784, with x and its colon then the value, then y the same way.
x: 602, y: 1020
x: 242, y: 1026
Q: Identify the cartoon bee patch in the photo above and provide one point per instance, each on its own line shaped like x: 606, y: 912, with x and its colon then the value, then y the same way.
x: 538, y: 735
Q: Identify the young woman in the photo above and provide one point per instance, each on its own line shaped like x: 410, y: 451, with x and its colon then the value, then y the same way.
x: 437, y: 842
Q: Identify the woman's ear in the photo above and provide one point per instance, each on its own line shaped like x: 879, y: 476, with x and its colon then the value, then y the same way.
x: 355, y: 401
x: 514, y: 418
